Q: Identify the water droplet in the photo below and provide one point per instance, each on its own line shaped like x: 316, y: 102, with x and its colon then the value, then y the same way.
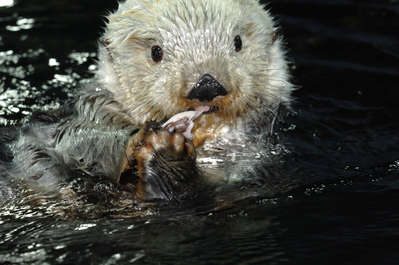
x: 84, y: 227
x: 53, y: 62
x: 22, y: 24
x: 139, y: 255
x: 59, y: 247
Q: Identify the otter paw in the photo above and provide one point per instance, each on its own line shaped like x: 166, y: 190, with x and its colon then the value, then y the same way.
x: 166, y: 165
x: 172, y: 146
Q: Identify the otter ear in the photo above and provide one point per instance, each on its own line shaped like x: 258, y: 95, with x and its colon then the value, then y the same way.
x: 274, y: 36
x: 105, y: 44
x: 106, y: 72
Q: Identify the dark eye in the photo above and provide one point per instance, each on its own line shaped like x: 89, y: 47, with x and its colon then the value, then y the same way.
x: 156, y: 53
x: 238, y: 43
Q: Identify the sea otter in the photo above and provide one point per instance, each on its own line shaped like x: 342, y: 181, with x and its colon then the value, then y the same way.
x: 179, y: 84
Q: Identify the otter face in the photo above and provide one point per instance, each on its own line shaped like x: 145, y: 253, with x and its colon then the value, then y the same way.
x: 164, y: 57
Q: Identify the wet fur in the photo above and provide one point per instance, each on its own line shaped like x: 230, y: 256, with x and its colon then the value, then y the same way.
x: 91, y: 135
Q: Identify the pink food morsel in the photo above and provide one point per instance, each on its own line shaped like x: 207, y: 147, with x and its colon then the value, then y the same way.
x: 183, y: 122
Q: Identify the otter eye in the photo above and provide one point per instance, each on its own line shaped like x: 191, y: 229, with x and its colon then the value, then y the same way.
x: 238, y: 43
x: 156, y: 53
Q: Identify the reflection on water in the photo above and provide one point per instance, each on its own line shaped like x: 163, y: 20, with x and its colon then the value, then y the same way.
x: 329, y: 189
x: 22, y: 24
x: 6, y: 3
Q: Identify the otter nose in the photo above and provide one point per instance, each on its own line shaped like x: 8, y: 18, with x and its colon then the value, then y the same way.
x: 206, y: 89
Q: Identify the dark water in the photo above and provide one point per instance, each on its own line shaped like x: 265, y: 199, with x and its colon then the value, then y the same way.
x: 343, y: 145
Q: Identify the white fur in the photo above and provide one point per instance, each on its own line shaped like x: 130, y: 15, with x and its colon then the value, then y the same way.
x: 197, y: 38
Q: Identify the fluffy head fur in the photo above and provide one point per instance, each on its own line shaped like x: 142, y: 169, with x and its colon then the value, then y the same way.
x: 197, y: 37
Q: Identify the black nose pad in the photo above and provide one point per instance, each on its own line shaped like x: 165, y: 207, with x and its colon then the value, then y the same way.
x: 207, y: 89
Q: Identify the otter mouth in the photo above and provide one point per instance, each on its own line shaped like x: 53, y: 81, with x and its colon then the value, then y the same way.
x: 212, y: 109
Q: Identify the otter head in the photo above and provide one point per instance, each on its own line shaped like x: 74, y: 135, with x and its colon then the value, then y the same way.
x: 163, y: 57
